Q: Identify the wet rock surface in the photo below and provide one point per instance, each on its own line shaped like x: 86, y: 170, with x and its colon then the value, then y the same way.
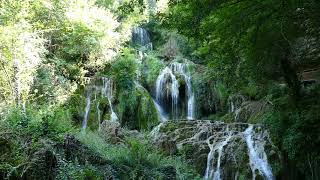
x: 217, y: 148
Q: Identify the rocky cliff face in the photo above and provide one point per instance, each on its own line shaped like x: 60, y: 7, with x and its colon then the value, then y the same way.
x: 220, y: 150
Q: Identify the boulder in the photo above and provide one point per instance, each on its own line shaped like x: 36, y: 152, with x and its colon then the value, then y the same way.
x: 113, y: 133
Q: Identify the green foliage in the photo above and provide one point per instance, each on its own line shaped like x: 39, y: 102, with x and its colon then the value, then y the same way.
x: 206, y: 95
x: 78, y: 172
x: 49, y: 48
x: 124, y: 71
x: 152, y: 70
x: 38, y: 123
x: 135, y: 106
x: 104, y: 3
x: 255, y: 48
x: 27, y: 137
x: 61, y: 37
x: 298, y: 127
x: 246, y: 41
x: 222, y: 93
x: 147, y: 115
x: 136, y: 159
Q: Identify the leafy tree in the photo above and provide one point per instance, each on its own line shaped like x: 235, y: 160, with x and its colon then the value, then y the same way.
x: 252, y: 41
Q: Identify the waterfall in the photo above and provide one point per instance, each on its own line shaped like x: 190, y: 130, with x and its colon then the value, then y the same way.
x: 106, y: 92
x: 167, y: 85
x: 162, y: 89
x: 98, y: 115
x: 257, y: 155
x: 235, y: 102
x: 216, y: 147
x: 181, y: 69
x: 107, y: 87
x: 97, y: 107
x: 255, y: 143
x: 162, y: 115
x: 140, y: 37
x: 87, y: 110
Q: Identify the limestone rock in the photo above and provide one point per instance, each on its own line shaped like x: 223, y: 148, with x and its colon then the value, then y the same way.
x: 226, y: 142
x: 113, y: 132
x: 249, y: 111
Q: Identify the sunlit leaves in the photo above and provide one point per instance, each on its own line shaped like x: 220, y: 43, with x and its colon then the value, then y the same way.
x: 22, y: 51
x: 66, y: 35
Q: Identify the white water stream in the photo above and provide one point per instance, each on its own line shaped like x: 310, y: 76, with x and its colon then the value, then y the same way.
x: 167, y: 85
x: 87, y: 110
x: 216, y: 147
x: 107, y: 88
x: 257, y: 156
x: 106, y: 92
x: 162, y: 115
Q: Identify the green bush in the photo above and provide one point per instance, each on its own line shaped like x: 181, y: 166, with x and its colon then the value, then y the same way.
x: 136, y: 159
x: 297, y: 123
x: 78, y: 172
x: 153, y: 68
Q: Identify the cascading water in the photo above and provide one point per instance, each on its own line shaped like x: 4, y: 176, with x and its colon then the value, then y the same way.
x: 182, y: 70
x: 216, y: 147
x: 257, y: 155
x: 255, y: 144
x: 87, y: 110
x: 235, y: 103
x: 98, y: 113
x: 107, y: 87
x: 162, y: 115
x: 162, y: 89
x: 140, y: 37
x: 167, y: 85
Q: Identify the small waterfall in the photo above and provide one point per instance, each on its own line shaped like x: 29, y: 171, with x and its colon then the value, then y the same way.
x: 163, y: 117
x: 98, y: 113
x: 140, y: 37
x: 182, y: 70
x: 167, y: 85
x: 87, y: 110
x: 107, y: 88
x: 162, y: 89
x: 155, y: 131
x: 235, y: 105
x: 216, y: 147
x: 257, y: 155
x: 235, y: 102
x: 232, y: 108
x: 237, y: 115
x: 106, y: 92
x: 255, y: 143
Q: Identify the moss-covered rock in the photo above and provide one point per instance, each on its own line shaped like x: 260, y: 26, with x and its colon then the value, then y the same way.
x: 251, y: 112
x: 147, y: 114
x: 207, y: 100
x: 195, y: 139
